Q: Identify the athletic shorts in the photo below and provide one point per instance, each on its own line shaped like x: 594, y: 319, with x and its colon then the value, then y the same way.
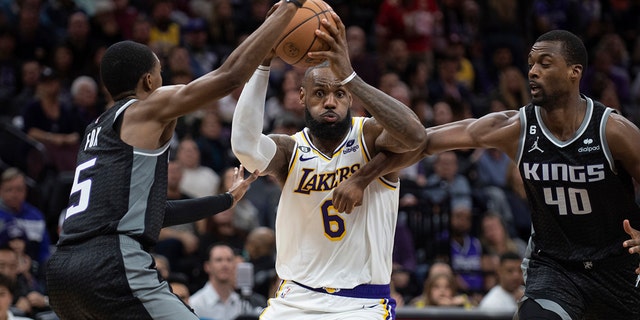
x: 110, y: 277
x: 584, y: 290
x: 296, y: 301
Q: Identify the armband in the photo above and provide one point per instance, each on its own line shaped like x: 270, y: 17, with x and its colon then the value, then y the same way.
x: 348, y: 79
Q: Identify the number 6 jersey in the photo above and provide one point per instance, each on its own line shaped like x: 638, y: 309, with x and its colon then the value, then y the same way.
x: 579, y: 194
x: 320, y: 247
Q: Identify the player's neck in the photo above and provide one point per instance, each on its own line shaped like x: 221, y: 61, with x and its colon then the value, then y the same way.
x: 565, y: 117
x: 326, y: 146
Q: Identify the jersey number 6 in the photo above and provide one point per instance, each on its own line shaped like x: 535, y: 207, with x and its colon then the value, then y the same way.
x: 334, y: 228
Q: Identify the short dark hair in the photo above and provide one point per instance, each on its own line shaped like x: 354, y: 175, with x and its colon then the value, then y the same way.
x: 509, y: 255
x: 123, y: 64
x: 574, y: 51
x: 307, y: 73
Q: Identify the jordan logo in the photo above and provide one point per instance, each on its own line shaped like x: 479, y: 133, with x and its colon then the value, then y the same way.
x: 535, y: 146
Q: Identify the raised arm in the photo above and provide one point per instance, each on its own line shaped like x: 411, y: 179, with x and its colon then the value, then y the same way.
x: 256, y: 151
x: 400, y: 129
x: 234, y: 72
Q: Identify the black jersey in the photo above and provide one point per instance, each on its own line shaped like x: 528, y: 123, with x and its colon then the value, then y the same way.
x: 117, y: 189
x: 578, y: 193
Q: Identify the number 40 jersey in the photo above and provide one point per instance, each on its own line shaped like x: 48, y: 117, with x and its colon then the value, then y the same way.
x: 579, y: 194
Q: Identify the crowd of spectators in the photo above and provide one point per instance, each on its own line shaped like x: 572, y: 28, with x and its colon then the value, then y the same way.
x: 447, y: 59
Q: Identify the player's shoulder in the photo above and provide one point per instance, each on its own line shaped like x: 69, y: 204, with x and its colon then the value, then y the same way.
x: 619, y: 126
x: 283, y: 140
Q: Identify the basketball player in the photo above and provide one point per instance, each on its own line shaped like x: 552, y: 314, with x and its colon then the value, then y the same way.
x: 102, y: 268
x: 334, y: 266
x: 577, y: 159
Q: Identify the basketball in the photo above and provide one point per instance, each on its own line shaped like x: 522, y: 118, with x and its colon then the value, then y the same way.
x: 299, y: 36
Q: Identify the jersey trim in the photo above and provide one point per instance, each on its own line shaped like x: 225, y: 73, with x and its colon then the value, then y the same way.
x: 603, y: 140
x: 583, y: 127
x: 294, y: 158
x: 389, y: 184
x: 305, y: 135
x: 523, y: 135
x: 124, y: 106
x: 365, y: 150
x: 152, y: 153
x: 551, y: 306
x: 367, y: 156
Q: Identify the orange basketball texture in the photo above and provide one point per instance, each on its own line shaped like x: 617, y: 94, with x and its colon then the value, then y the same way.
x: 299, y: 36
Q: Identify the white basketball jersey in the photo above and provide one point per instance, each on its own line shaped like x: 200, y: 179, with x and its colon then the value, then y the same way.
x: 316, y: 245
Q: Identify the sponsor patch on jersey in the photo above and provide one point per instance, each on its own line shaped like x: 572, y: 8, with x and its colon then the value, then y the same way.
x: 304, y: 149
x: 588, y: 147
x: 349, y: 147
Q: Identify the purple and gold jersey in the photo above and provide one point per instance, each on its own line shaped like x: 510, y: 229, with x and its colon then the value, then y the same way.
x: 320, y: 247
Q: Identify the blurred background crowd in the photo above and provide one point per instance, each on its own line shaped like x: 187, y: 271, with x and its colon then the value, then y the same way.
x: 463, y: 215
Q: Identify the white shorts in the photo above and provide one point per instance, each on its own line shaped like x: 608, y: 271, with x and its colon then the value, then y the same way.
x: 295, y: 301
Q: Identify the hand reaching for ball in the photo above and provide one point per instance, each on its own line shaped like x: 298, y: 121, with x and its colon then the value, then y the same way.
x: 299, y: 38
x: 338, y: 54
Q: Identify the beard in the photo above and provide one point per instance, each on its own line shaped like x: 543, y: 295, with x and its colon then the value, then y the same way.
x: 546, y: 98
x: 539, y: 99
x: 328, y: 131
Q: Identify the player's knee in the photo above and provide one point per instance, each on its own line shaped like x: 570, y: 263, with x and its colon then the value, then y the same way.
x: 531, y: 310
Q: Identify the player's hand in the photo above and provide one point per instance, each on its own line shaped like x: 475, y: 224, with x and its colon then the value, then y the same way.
x: 240, y: 184
x: 348, y: 195
x: 338, y: 55
x: 273, y: 8
x: 633, y: 244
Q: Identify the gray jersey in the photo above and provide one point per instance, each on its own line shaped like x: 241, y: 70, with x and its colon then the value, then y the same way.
x: 117, y: 189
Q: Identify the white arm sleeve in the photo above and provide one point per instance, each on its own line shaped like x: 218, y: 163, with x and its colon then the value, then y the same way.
x: 253, y: 149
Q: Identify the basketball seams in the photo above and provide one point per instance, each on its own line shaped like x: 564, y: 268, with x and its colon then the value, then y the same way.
x: 325, y: 12
x: 299, y: 24
x: 300, y: 36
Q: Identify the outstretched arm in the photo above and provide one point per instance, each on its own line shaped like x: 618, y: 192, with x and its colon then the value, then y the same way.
x: 190, y: 210
x: 234, y: 72
x: 499, y: 130
x: 349, y: 192
x: 256, y: 151
x: 402, y: 128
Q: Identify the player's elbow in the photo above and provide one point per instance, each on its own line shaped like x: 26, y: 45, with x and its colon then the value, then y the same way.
x: 246, y: 157
x: 414, y: 141
x: 254, y: 154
